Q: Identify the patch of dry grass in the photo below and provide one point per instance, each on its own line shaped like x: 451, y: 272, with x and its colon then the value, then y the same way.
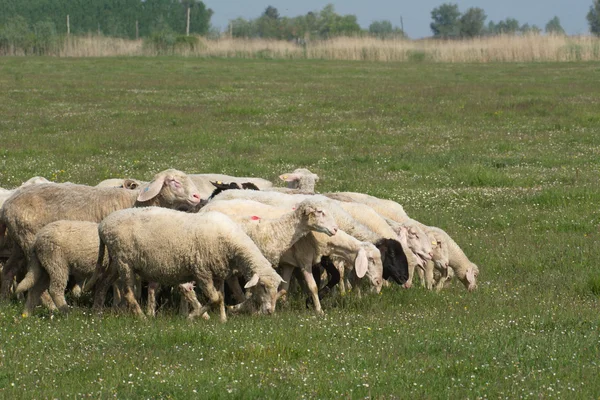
x: 485, y: 49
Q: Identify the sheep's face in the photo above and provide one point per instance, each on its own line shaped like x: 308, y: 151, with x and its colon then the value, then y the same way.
x: 395, y: 264
x: 441, y: 259
x: 171, y: 189
x: 470, y: 277
x: 320, y: 220
x: 265, y: 293
x: 374, y: 268
x: 420, y: 243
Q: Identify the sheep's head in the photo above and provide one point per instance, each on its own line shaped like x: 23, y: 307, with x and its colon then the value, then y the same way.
x: 301, y: 178
x: 265, y: 291
x: 440, y: 255
x: 319, y: 218
x: 469, y: 278
x: 171, y: 189
x: 420, y: 244
x: 395, y: 264
x: 374, y: 266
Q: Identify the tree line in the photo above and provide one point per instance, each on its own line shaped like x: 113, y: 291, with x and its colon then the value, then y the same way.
x: 33, y: 25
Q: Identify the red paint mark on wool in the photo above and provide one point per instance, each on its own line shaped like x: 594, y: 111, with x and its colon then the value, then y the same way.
x: 254, y: 218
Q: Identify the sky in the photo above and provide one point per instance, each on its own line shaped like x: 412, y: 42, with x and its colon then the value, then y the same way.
x: 416, y: 15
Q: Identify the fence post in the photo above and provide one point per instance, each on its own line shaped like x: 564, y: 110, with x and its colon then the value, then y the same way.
x: 187, y: 26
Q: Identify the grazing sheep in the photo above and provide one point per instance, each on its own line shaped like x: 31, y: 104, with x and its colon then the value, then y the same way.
x: 33, y: 207
x: 362, y: 257
x: 465, y: 270
x: 206, y: 248
x: 61, y: 249
x: 205, y: 187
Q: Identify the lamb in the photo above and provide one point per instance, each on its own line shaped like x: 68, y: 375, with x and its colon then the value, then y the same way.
x: 205, y: 187
x: 33, y: 207
x: 62, y: 248
x: 465, y: 270
x: 207, y: 248
x: 364, y: 257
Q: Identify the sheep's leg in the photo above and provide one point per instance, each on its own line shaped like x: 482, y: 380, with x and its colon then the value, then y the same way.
x: 153, y: 288
x: 313, y: 289
x: 411, y: 274
x: 117, y: 299
x: 236, y: 289
x: 429, y: 275
x: 104, y: 281
x: 34, y: 294
x: 189, y: 297
x: 213, y: 295
x: 15, y: 263
x: 128, y: 280
x: 221, y: 301
x: 421, y: 273
x: 443, y: 278
x: 56, y: 289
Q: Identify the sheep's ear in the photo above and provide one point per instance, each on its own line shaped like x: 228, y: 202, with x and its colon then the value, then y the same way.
x: 361, y: 264
x: 152, y: 189
x: 252, y: 282
x: 130, y: 184
x: 289, y: 177
x: 471, y: 275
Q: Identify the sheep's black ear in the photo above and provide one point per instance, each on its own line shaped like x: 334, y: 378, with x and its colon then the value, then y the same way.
x: 249, y: 186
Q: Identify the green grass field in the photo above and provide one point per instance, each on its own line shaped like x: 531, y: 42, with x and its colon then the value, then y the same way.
x: 504, y: 157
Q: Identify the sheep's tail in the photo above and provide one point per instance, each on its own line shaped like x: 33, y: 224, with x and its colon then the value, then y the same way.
x: 89, y: 285
x: 34, y: 274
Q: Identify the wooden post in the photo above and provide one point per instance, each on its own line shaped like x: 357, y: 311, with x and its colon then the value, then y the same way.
x: 68, y: 26
x: 137, y: 30
x: 187, y: 27
x: 402, y: 25
x: 98, y: 28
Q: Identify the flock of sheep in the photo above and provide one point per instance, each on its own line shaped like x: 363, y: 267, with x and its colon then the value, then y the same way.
x: 211, y: 230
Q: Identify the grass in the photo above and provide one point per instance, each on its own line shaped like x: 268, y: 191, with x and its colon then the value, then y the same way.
x: 504, y: 156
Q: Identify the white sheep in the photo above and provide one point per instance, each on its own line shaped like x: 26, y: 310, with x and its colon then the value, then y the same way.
x: 61, y: 248
x: 362, y: 257
x: 31, y: 208
x: 465, y: 270
x: 171, y: 247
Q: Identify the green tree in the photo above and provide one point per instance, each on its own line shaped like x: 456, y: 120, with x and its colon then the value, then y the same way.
x: 553, y: 27
x: 384, y: 29
x: 446, y: 21
x: 593, y: 18
x: 527, y: 29
x: 472, y: 22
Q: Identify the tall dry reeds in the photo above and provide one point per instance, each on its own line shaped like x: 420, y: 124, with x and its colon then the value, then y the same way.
x: 486, y: 49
